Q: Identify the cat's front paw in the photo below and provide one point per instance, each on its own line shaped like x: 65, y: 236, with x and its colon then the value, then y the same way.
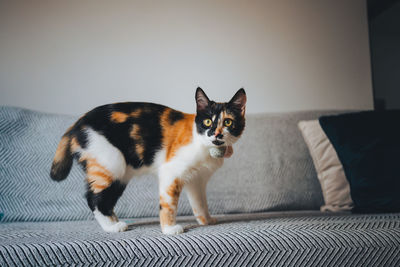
x: 172, y: 230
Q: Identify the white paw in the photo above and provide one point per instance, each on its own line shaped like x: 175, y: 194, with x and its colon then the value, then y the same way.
x: 110, y: 223
x: 172, y: 230
x: 116, y: 227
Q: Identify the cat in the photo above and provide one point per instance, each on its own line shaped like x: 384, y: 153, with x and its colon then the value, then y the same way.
x: 118, y: 141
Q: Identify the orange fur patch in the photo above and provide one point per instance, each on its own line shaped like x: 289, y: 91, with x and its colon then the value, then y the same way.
x: 201, y: 219
x: 119, y: 117
x: 174, y: 191
x: 221, y: 125
x: 74, y: 144
x: 227, y: 116
x: 135, y: 135
x: 177, y: 135
x: 136, y: 113
x: 139, y: 150
x: 164, y: 204
x: 98, y: 177
x: 61, y: 149
x: 167, y: 213
x: 167, y: 217
x: 168, y: 210
x: 218, y: 131
x: 135, y: 131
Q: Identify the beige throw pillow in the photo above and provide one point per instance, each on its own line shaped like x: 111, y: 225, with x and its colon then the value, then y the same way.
x: 335, y: 187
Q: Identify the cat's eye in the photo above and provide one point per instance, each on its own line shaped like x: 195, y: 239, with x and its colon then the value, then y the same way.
x: 227, y: 122
x: 207, y: 122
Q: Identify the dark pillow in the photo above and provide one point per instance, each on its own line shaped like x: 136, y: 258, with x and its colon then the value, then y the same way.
x: 368, y: 146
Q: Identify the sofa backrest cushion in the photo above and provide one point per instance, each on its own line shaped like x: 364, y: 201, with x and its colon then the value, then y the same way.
x: 334, y: 185
x: 271, y: 169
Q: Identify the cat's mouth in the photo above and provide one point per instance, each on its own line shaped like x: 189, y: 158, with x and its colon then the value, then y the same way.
x: 218, y: 143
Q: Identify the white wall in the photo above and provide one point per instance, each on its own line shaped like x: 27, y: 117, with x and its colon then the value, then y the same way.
x: 70, y: 56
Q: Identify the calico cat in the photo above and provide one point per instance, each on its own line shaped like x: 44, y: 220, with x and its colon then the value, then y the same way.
x: 116, y: 142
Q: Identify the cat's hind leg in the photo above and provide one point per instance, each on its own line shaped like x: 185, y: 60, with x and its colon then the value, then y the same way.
x: 103, y: 192
x: 105, y: 168
x: 102, y: 204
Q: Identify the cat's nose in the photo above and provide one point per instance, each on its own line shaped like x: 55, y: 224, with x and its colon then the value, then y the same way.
x: 218, y: 134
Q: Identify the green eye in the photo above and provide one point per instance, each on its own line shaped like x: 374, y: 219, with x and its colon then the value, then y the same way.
x: 207, y: 122
x: 227, y: 122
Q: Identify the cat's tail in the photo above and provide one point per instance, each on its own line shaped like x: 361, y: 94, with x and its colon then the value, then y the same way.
x: 63, y: 158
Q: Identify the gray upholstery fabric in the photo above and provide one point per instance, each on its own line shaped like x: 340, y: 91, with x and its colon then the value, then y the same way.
x: 271, y: 169
x: 272, y: 239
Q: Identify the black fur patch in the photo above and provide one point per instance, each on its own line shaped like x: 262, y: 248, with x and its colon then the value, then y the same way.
x: 60, y: 170
x: 118, y: 134
x: 175, y: 116
x: 81, y: 136
x: 106, y: 199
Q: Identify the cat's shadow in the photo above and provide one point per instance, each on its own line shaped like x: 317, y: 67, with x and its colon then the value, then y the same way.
x: 189, y: 222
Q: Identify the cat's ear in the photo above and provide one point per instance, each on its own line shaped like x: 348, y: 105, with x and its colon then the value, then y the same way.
x: 201, y: 99
x: 239, y: 100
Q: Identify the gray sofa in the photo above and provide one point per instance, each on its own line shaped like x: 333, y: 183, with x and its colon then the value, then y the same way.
x: 266, y: 198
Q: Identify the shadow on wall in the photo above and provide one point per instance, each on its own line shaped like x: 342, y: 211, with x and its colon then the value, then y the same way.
x: 384, y: 30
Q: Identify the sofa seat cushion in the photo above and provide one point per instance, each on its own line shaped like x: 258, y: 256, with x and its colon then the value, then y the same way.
x: 278, y: 239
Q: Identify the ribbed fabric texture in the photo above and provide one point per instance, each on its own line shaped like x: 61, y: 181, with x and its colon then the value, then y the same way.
x: 270, y: 170
x: 279, y: 240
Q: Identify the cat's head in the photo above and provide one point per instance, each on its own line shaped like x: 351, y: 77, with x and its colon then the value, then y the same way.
x: 220, y: 123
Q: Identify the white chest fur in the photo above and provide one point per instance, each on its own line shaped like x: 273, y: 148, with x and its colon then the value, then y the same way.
x: 190, y: 161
